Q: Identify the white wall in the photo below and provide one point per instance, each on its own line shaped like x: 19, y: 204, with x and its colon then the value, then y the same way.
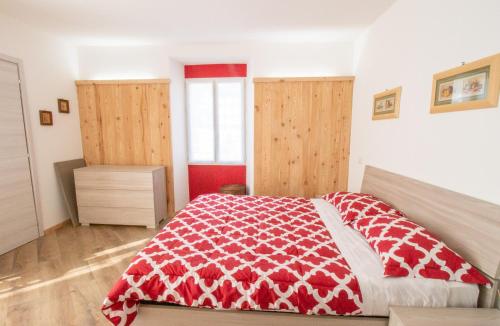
x: 264, y: 59
x: 50, y: 68
x: 179, y: 139
x: 406, y: 46
x: 123, y: 62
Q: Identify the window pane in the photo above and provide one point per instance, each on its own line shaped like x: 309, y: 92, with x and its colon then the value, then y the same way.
x: 230, y: 121
x: 201, y: 122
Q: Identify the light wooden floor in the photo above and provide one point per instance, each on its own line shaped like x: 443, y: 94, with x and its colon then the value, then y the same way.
x: 63, y: 277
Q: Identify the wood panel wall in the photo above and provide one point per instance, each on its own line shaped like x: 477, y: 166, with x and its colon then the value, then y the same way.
x: 127, y: 123
x: 302, y: 135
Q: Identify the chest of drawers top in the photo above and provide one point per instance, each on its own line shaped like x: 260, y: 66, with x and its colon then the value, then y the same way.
x: 122, y: 168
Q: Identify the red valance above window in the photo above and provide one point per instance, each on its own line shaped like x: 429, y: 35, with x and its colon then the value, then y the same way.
x: 215, y: 70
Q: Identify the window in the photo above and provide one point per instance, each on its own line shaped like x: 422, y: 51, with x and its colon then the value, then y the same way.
x: 216, y: 119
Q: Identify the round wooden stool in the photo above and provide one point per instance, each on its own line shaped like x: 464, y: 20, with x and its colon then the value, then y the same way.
x: 233, y: 189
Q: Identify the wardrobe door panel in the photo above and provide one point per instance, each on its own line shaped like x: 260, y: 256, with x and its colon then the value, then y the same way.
x: 302, y: 135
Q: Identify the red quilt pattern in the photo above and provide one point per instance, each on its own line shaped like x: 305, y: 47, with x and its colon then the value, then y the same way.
x: 408, y: 249
x: 240, y: 252
x: 352, y: 205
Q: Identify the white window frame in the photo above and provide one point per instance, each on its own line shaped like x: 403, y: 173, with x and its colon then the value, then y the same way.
x: 215, y: 82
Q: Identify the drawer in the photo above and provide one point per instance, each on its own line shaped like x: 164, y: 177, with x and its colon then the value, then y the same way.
x: 113, y: 180
x: 116, y: 215
x: 114, y: 198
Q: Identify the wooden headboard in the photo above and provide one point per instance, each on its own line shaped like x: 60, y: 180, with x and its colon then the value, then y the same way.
x: 468, y: 225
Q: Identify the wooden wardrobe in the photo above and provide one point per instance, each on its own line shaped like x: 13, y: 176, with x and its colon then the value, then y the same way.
x: 302, y: 135
x: 127, y: 122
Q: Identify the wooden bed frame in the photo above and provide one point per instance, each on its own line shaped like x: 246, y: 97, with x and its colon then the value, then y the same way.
x: 468, y: 225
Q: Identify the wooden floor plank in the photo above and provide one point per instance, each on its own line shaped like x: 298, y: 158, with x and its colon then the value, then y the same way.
x: 63, y: 277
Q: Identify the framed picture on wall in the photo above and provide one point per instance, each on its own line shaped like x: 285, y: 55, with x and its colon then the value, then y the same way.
x: 474, y: 85
x: 63, y: 105
x: 386, y: 104
x: 46, y: 118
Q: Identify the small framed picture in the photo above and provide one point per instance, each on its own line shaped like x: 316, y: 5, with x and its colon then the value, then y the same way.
x: 386, y: 104
x: 63, y: 105
x: 46, y: 118
x: 471, y: 86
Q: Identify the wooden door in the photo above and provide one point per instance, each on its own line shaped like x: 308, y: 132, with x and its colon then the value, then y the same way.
x: 302, y: 132
x: 18, y: 222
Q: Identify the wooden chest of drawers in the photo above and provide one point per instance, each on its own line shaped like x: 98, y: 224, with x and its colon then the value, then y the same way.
x: 125, y: 195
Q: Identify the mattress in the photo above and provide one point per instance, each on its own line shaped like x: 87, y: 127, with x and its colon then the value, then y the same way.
x: 380, y: 292
x: 270, y: 254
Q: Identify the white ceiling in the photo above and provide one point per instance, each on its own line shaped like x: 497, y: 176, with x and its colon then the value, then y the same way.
x: 152, y: 21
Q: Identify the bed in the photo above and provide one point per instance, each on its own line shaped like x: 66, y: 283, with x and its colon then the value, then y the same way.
x: 293, y: 259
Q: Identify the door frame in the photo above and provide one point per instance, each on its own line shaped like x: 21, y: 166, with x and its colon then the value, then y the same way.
x: 29, y: 139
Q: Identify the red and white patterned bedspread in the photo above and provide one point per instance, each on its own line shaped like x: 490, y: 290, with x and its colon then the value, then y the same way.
x: 240, y: 252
